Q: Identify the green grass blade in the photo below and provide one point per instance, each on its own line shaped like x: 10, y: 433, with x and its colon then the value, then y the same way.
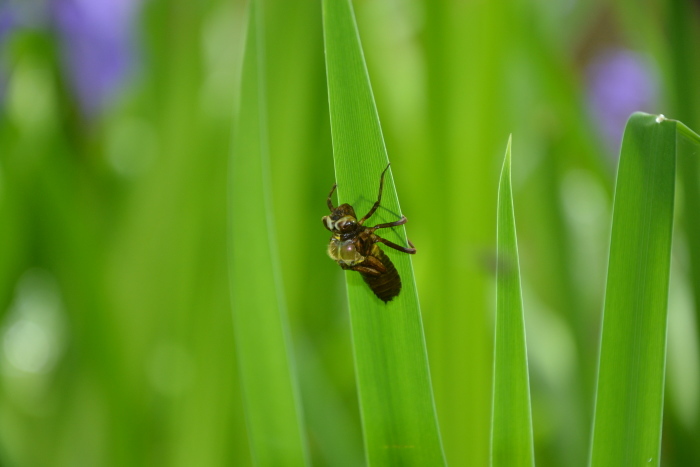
x: 259, y: 315
x: 629, y: 402
x: 396, y: 400
x: 511, y: 428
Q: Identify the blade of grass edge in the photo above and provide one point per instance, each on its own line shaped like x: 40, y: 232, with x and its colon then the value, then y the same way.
x: 511, y: 427
x: 393, y: 379
x: 263, y: 347
x: 629, y: 398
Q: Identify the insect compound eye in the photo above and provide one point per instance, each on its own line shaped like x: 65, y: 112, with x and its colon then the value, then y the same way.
x: 327, y: 222
x: 346, y: 224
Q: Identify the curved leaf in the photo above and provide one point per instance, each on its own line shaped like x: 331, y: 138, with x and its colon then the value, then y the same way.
x: 393, y: 380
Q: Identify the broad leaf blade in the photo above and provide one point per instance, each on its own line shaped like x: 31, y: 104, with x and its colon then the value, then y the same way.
x: 511, y: 429
x: 396, y: 400
x: 629, y: 404
x: 259, y: 315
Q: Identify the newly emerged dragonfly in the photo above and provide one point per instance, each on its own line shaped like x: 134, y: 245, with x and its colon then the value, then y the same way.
x: 354, y: 246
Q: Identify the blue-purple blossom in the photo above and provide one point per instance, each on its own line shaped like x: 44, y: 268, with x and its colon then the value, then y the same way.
x: 619, y: 82
x: 7, y: 21
x: 98, y: 48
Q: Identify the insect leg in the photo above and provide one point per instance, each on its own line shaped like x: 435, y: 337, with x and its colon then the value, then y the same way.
x: 394, y: 245
x: 363, y: 269
x: 379, y: 198
x: 401, y: 221
x: 375, y: 264
x: 329, y: 201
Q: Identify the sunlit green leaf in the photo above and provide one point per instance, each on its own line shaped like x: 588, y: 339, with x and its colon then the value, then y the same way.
x: 511, y: 430
x: 629, y: 403
x: 396, y: 400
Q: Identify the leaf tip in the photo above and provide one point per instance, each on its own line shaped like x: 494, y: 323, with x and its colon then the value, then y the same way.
x: 508, y: 151
x: 505, y: 169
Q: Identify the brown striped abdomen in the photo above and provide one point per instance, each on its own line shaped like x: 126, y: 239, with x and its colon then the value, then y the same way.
x: 387, y: 285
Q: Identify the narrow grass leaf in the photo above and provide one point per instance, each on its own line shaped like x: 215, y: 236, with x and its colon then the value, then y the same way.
x: 393, y: 379
x: 511, y: 428
x: 629, y: 401
x: 259, y: 315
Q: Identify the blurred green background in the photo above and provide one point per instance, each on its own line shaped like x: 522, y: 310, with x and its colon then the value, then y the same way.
x: 116, y: 342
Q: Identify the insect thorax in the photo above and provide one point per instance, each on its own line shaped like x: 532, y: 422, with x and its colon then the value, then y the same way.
x: 344, y: 251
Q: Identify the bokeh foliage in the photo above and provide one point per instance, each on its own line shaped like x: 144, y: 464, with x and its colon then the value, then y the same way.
x: 117, y: 337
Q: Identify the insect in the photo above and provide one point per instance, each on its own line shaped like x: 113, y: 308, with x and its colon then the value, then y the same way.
x: 354, y: 246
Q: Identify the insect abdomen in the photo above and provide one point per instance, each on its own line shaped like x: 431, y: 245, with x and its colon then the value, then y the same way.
x: 388, y: 284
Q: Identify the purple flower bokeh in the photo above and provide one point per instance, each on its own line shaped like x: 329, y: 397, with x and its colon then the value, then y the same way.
x: 7, y: 23
x: 97, y: 43
x: 98, y: 47
x: 7, y: 20
x: 619, y: 82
